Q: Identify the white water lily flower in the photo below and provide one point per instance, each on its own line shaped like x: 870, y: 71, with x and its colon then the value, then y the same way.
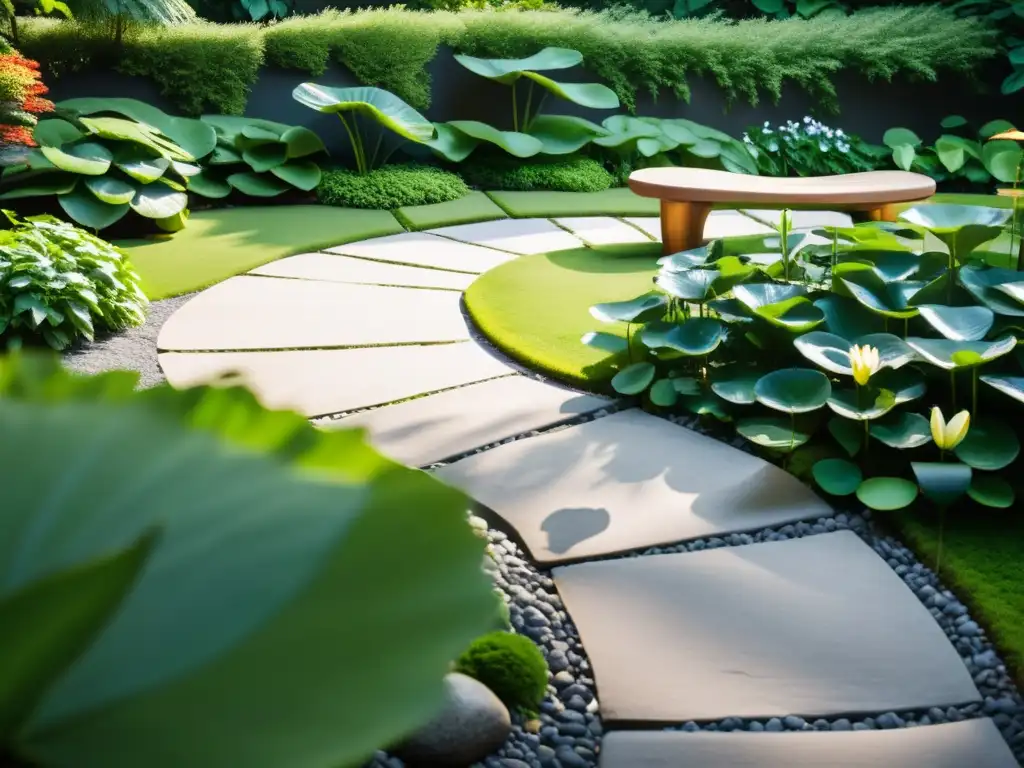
x: 949, y: 436
x: 865, y: 362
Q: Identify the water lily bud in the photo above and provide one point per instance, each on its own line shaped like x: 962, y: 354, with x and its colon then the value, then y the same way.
x: 864, y: 361
x: 949, y: 436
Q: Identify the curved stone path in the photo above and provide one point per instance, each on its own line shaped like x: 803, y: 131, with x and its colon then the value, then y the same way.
x: 372, y: 334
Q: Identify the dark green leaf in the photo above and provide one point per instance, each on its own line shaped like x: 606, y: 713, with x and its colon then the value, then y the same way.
x: 951, y: 355
x: 86, y: 210
x: 696, y: 336
x: 793, y: 390
x: 775, y: 432
x: 633, y: 379
x: 641, y: 309
x: 991, y: 491
x: 607, y: 342
x: 958, y: 323
x: 903, y: 431
x: 886, y: 493
x: 990, y: 444
x: 849, y: 434
x: 838, y: 477
x: 663, y: 393
x: 943, y: 483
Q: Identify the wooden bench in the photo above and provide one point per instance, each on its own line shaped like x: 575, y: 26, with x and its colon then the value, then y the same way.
x: 687, y: 196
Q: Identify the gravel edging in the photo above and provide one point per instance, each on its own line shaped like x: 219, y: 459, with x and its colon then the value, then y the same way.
x: 133, y: 349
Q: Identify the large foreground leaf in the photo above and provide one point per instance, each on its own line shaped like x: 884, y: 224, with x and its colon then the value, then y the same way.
x: 374, y: 103
x: 267, y: 592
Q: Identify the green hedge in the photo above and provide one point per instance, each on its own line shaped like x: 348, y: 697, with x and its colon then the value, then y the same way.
x: 206, y: 67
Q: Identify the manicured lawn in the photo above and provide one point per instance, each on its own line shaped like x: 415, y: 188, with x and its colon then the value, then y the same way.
x: 474, y: 207
x: 536, y: 308
x: 619, y: 201
x: 220, y: 243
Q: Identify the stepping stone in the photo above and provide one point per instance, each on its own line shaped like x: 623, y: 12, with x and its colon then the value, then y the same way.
x: 974, y: 743
x: 520, y: 236
x: 817, y: 627
x: 426, y: 250
x: 602, y: 230
x: 319, y: 382
x: 345, y: 269
x: 274, y: 313
x: 723, y: 223
x: 627, y: 481
x: 428, y: 429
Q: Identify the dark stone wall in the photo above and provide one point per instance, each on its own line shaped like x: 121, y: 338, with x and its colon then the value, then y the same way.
x: 867, y: 109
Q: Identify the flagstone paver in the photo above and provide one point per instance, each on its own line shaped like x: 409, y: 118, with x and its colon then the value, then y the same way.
x: 428, y: 429
x: 426, y: 250
x: 274, y: 313
x: 625, y: 481
x: 318, y: 382
x: 969, y: 744
x: 347, y: 269
x: 519, y: 236
x: 815, y: 626
x: 602, y: 230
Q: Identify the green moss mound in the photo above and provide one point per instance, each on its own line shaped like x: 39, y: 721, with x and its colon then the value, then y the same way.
x: 510, y: 665
x: 474, y: 207
x: 392, y: 186
x: 218, y: 244
x: 571, y: 174
x: 536, y: 308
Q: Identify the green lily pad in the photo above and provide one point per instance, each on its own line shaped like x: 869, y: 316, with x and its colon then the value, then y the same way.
x: 641, y: 309
x: 608, y: 342
x: 1008, y: 385
x: 655, y: 333
x: 633, y: 379
x: 961, y: 227
x: 991, y: 491
x: 692, y: 285
x: 731, y: 310
x: 959, y: 323
x: 88, y: 158
x: 793, y: 390
x: 941, y: 482
x: 886, y: 299
x: 686, y: 385
x: 797, y: 314
x: 886, y: 493
x: 989, y: 445
x: 663, y: 393
x: 826, y: 350
x: 983, y: 284
x: 696, y: 336
x: 735, y: 384
x: 849, y: 434
x: 952, y: 355
x: 775, y: 432
x: 862, y: 404
x: 847, y: 318
x: 838, y: 477
x: 707, y: 403
x: 695, y: 257
x: 903, y: 431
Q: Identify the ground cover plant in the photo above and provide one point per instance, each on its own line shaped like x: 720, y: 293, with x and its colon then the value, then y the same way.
x: 511, y: 665
x: 809, y: 148
x: 209, y: 69
x: 390, y: 187
x: 900, y: 324
x: 59, y: 283
x: 147, y: 618
x: 567, y: 174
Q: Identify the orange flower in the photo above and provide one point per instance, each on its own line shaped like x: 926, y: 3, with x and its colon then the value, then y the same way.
x: 1008, y: 136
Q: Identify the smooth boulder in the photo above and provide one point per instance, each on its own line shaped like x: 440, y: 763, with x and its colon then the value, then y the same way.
x: 472, y: 725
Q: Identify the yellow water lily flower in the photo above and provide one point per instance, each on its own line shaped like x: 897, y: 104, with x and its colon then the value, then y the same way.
x: 949, y: 436
x: 864, y: 361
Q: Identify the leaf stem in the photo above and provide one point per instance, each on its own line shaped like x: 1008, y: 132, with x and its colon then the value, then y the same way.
x: 515, y: 108
x: 974, y: 392
x: 942, y: 535
x: 952, y: 388
x: 527, y: 120
x: 354, y: 139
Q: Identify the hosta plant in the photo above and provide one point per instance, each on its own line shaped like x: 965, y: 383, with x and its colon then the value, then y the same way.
x: 839, y: 347
x: 258, y: 158
x: 180, y: 565
x: 364, y: 107
x: 809, y: 148
x: 59, y: 283
x: 100, y: 167
x: 959, y: 154
x: 532, y: 132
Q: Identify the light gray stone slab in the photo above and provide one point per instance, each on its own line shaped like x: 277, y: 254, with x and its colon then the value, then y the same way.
x: 602, y: 230
x: 968, y: 744
x: 318, y: 382
x: 625, y: 481
x: 520, y: 236
x: 818, y: 626
x: 274, y: 313
x: 346, y: 269
x: 426, y: 250
x: 723, y: 223
x: 428, y: 429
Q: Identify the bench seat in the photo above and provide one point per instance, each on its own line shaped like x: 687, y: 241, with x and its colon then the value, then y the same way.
x: 687, y: 196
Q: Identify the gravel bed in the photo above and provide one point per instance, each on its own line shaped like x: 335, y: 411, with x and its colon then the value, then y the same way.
x: 133, y: 349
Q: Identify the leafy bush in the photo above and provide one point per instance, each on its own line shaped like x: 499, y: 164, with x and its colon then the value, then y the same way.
x: 510, y: 665
x: 259, y: 158
x: 569, y: 174
x: 101, y: 166
x: 884, y: 321
x: 222, y: 11
x: 809, y: 149
x: 203, y: 565
x: 392, y: 186
x: 209, y: 68
x: 961, y: 154
x: 58, y: 283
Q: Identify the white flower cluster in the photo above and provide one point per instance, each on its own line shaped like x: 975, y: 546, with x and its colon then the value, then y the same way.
x: 810, y: 130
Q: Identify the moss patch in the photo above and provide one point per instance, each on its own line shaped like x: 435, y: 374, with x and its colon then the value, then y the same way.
x: 536, y: 308
x: 389, y: 187
x: 619, y: 201
x: 474, y: 207
x: 221, y: 243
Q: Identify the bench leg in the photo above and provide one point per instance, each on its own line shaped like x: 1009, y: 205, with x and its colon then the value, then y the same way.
x: 682, y: 225
x: 882, y: 213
